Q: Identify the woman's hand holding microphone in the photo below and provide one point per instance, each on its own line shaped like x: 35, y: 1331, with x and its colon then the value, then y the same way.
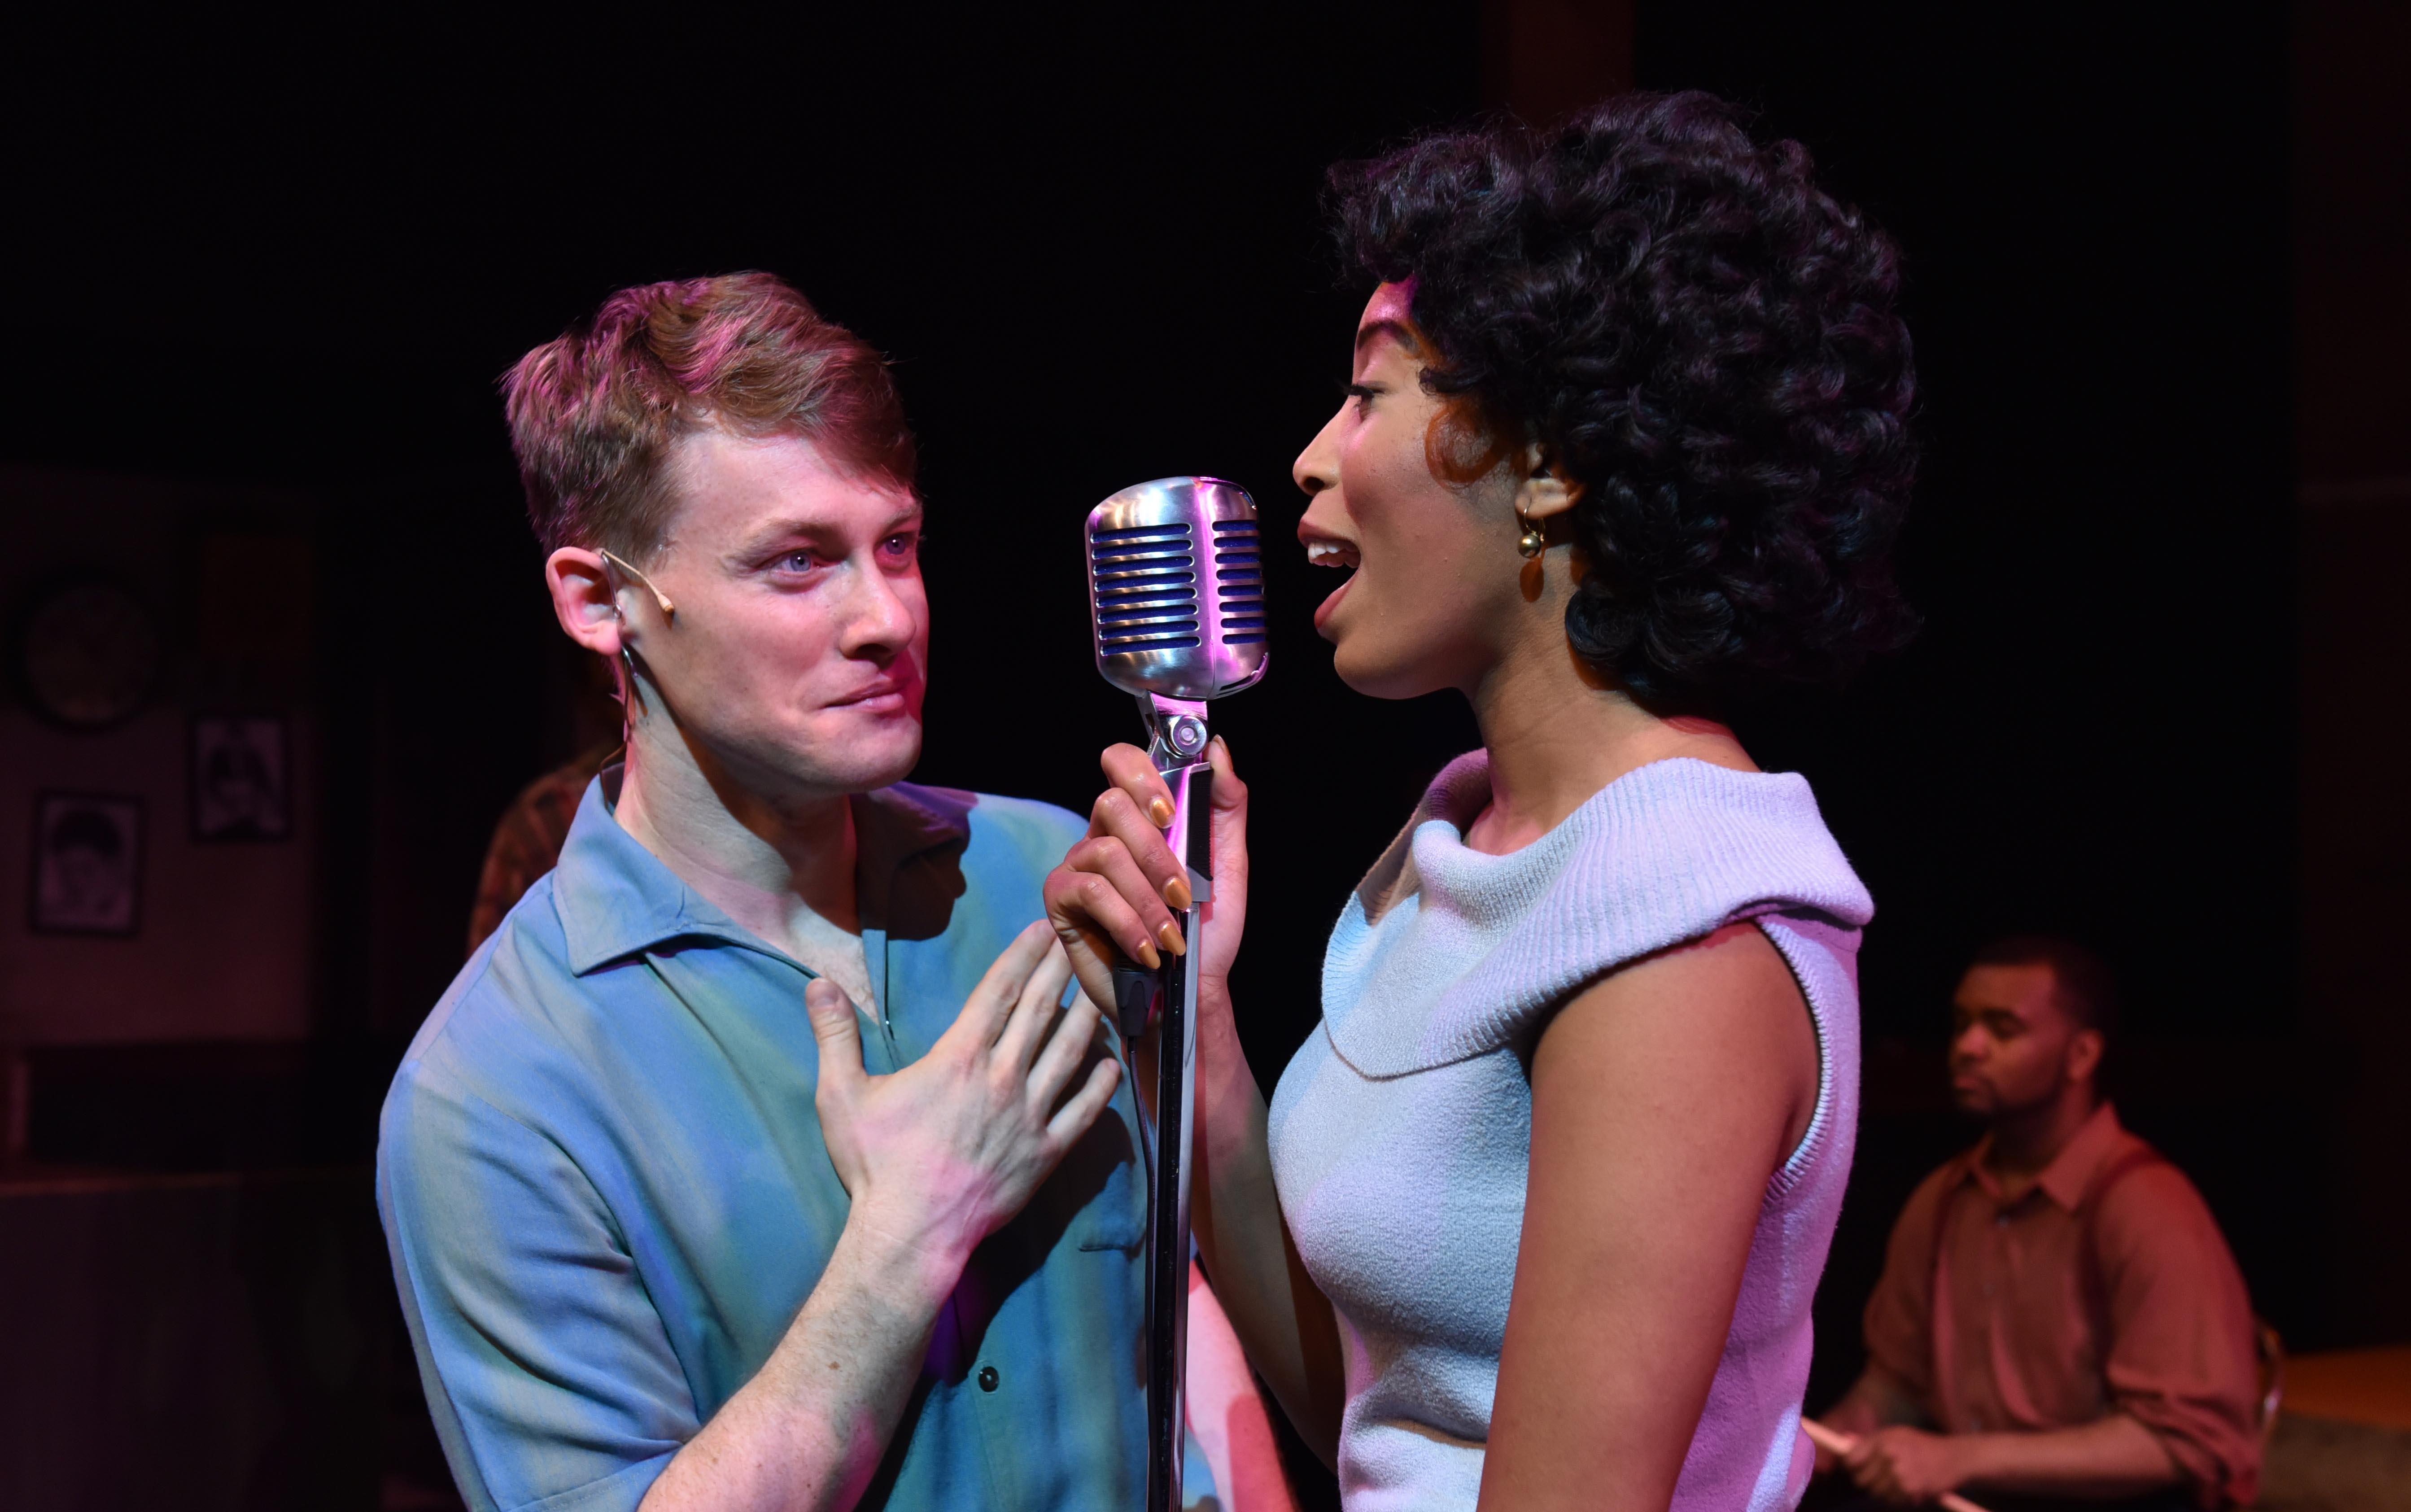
x: 1119, y: 890
x: 1117, y: 893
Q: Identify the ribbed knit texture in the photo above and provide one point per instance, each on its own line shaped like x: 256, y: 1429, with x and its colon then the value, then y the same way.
x: 1402, y: 1133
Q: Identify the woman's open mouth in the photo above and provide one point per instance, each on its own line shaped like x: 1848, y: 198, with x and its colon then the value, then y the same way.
x: 1332, y: 554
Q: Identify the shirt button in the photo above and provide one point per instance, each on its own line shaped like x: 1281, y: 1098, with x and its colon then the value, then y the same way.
x: 987, y: 1377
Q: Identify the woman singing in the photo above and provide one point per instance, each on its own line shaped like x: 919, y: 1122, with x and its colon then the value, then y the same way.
x: 1535, y: 1217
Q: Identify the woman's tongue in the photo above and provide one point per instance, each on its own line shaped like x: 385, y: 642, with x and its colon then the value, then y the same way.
x: 1331, y: 600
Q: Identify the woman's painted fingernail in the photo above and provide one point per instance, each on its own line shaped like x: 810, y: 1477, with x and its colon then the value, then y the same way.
x: 1170, y: 934
x: 1176, y: 893
x: 1160, y: 810
x: 1148, y: 958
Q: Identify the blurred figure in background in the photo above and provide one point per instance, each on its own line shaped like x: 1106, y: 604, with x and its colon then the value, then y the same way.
x: 2059, y: 1320
x: 527, y: 843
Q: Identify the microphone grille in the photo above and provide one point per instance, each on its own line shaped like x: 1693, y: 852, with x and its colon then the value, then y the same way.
x: 1177, y: 588
x: 1239, y: 582
x: 1144, y: 587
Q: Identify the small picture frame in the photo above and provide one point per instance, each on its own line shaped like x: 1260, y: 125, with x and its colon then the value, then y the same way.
x: 87, y: 864
x: 241, y: 778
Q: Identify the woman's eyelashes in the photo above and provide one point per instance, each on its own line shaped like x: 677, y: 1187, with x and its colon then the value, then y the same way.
x: 1363, y: 393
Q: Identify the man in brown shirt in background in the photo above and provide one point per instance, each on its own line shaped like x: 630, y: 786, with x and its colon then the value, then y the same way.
x: 2059, y: 1316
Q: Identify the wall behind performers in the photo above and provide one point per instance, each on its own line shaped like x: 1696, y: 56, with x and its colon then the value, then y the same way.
x: 1097, y: 262
x: 1082, y: 286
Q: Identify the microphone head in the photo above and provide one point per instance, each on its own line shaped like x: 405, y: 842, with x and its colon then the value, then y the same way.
x: 1177, y: 588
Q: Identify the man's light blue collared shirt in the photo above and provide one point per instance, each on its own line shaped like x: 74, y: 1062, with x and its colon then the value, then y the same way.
x: 605, y: 1193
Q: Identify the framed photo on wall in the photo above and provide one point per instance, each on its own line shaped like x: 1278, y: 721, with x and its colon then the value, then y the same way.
x: 243, y: 770
x: 87, y: 863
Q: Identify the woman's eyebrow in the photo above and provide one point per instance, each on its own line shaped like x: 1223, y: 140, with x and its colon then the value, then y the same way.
x: 1398, y: 331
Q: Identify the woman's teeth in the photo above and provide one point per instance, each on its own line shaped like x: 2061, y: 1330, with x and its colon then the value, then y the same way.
x: 1330, y: 554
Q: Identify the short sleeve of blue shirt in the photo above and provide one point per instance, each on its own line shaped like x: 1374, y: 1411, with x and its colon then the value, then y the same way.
x: 606, y: 1195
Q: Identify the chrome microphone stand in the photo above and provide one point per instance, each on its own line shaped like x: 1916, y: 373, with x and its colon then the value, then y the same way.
x: 1176, y: 599
x: 1167, y: 997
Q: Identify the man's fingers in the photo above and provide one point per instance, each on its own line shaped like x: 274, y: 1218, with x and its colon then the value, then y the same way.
x: 840, y: 1037
x: 1034, y: 1010
x: 1875, y: 1471
x: 1130, y: 770
x: 991, y: 1003
x: 1863, y: 1464
x: 1066, y: 1048
x: 1073, y: 1119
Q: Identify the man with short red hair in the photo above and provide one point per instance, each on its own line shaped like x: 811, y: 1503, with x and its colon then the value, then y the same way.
x: 757, y: 1160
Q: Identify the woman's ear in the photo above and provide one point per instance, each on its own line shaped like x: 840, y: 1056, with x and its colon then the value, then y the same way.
x: 1544, y: 490
x: 583, y: 600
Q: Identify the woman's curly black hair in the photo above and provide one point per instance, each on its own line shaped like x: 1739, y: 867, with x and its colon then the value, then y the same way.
x: 1705, y: 341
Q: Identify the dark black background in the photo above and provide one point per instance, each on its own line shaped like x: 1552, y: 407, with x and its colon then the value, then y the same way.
x: 2094, y: 732
x: 302, y: 256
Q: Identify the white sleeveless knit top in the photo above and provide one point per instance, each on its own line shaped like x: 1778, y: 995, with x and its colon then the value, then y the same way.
x: 1401, y: 1132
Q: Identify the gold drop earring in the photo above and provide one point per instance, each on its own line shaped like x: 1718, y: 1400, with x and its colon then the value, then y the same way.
x: 1532, y: 543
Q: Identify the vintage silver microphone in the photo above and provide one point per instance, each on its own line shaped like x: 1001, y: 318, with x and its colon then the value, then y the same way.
x: 1176, y: 597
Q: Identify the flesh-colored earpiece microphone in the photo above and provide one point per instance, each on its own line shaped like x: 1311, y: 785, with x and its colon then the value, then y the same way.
x: 669, y: 610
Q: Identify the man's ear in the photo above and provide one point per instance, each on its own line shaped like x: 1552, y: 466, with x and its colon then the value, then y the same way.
x: 583, y: 600
x: 1544, y: 490
x: 2085, y: 1049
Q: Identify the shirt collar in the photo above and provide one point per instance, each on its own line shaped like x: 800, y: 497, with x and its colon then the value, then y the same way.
x: 616, y: 898
x: 2071, y: 1171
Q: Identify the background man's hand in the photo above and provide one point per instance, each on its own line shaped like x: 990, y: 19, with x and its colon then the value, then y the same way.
x: 939, y: 1154
x: 1907, y: 1465
x: 1116, y: 891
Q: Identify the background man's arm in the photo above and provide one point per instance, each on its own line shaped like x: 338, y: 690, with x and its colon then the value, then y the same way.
x: 1877, y: 1398
x: 2115, y: 1456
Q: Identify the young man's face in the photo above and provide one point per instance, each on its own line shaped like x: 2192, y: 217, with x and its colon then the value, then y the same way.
x: 2009, y: 1040
x: 796, y: 661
